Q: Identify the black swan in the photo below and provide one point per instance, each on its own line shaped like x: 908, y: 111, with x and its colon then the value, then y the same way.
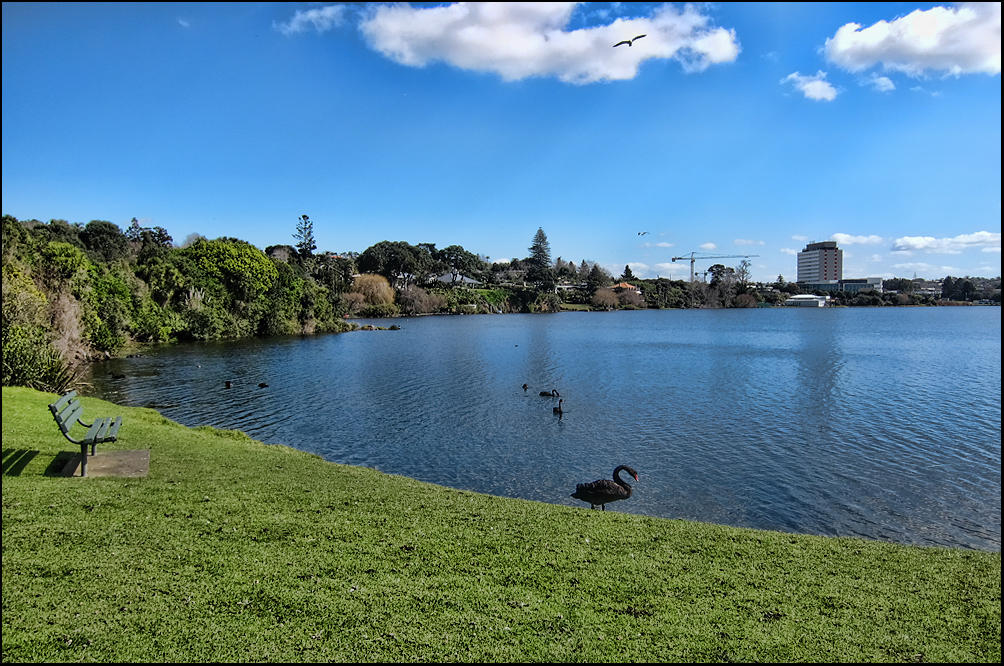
x: 604, y: 490
x: 263, y: 385
x: 557, y: 410
x: 525, y: 387
x: 553, y: 393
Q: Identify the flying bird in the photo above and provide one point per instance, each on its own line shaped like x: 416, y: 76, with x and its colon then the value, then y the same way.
x: 642, y: 233
x: 629, y: 42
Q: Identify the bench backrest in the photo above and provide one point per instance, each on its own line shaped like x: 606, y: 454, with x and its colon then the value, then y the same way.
x: 66, y: 411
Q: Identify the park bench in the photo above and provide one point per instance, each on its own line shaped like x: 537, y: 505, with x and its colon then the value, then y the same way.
x: 67, y: 411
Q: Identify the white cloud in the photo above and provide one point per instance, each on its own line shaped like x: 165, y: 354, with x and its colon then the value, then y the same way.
x: 788, y: 250
x: 848, y: 239
x: 880, y: 83
x: 638, y: 267
x: 992, y: 249
x: 708, y: 246
x: 518, y: 40
x: 965, y: 39
x: 183, y: 23
x: 743, y: 241
x: 813, y: 87
x: 953, y: 245
x: 672, y: 269
x: 501, y: 261
x: 876, y: 257
x: 800, y: 238
x: 320, y: 19
x: 929, y: 269
x: 659, y: 244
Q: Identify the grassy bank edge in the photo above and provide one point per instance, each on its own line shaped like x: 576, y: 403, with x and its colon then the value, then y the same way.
x: 236, y: 550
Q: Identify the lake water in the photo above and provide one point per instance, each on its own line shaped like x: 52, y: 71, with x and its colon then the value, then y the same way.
x: 882, y: 423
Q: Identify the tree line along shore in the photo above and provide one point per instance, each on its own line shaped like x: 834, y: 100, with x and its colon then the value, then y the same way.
x: 77, y: 292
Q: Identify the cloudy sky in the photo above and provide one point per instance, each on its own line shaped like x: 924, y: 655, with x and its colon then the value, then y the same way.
x: 728, y: 129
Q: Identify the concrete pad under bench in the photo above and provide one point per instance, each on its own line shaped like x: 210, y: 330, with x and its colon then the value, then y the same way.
x: 134, y: 463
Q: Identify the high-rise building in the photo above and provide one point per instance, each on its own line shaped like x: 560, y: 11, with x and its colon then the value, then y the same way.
x: 820, y: 262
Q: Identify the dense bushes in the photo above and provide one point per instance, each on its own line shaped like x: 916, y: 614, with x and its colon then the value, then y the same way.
x: 72, y: 292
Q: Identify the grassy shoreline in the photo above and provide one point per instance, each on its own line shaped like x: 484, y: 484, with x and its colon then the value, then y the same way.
x: 233, y: 550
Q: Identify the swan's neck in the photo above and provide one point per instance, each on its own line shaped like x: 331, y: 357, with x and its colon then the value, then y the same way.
x: 619, y: 481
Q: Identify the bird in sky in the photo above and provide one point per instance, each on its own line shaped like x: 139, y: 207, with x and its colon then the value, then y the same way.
x: 629, y: 42
x: 642, y: 233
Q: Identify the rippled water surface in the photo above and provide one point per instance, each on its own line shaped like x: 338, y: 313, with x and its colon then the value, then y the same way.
x: 871, y: 422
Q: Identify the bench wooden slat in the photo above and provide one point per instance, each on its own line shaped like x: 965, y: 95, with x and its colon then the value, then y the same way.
x: 58, y: 407
x: 69, y: 416
x: 92, y: 432
x: 113, y: 431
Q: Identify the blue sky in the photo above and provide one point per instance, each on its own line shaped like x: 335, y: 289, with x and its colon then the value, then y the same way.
x: 729, y: 129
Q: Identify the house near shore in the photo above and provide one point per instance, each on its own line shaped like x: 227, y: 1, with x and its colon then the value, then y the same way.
x: 459, y: 278
x: 625, y: 286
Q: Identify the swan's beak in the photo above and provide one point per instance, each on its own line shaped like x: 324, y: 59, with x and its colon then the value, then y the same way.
x: 635, y: 477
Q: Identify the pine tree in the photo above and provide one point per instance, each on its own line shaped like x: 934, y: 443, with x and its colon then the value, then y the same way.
x: 540, y: 250
x: 627, y: 275
x: 304, y: 235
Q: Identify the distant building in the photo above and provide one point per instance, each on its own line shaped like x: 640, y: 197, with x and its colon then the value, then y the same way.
x: 807, y: 301
x: 820, y: 263
x: 625, y: 286
x: 853, y: 285
x: 850, y: 285
x: 449, y: 278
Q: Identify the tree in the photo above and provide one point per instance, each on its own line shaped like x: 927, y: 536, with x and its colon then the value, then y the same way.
x: 374, y: 288
x: 627, y: 274
x: 540, y: 250
x: 947, y: 287
x: 460, y: 261
x: 597, y: 278
x: 743, y: 275
x: 105, y: 240
x: 239, y: 267
x: 304, y: 236
x: 605, y: 298
x: 540, y: 271
x: 396, y: 260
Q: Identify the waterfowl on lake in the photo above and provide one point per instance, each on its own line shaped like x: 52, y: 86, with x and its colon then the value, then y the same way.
x: 553, y: 393
x: 263, y: 385
x: 557, y: 410
x: 603, y: 491
x: 525, y: 387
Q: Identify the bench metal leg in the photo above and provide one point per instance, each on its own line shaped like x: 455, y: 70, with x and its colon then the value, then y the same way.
x: 83, y: 460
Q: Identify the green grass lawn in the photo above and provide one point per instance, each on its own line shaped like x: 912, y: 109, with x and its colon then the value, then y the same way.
x: 233, y: 550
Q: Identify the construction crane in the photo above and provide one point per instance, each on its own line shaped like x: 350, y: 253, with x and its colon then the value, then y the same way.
x: 694, y: 257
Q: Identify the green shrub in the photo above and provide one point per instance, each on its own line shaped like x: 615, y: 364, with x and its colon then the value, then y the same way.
x: 156, y: 324
x: 63, y: 263
x: 29, y: 360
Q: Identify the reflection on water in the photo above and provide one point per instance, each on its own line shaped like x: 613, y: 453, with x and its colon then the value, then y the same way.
x: 882, y: 423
